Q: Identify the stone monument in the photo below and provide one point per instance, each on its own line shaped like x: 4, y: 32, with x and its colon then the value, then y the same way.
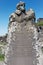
x: 20, y: 37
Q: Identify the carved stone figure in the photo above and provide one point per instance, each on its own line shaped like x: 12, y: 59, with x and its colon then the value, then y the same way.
x: 21, y: 14
x: 20, y: 37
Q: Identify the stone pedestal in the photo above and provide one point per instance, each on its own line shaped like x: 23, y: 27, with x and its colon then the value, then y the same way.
x: 21, y: 50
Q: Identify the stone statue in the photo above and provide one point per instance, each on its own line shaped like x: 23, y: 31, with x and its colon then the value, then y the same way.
x: 20, y: 37
x: 21, y: 14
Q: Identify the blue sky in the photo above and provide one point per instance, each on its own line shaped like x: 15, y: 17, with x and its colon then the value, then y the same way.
x: 9, y: 6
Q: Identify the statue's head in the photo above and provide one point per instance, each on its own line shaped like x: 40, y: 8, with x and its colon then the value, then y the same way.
x: 21, y: 6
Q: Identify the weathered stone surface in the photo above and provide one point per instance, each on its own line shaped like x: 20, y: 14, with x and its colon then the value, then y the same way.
x: 22, y: 49
x: 20, y: 38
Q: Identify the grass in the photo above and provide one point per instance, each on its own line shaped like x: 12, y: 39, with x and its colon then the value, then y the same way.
x: 2, y: 56
x: 3, y: 43
x: 39, y: 23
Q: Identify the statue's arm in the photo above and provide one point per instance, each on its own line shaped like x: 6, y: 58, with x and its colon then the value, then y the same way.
x: 30, y: 15
x: 11, y: 18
